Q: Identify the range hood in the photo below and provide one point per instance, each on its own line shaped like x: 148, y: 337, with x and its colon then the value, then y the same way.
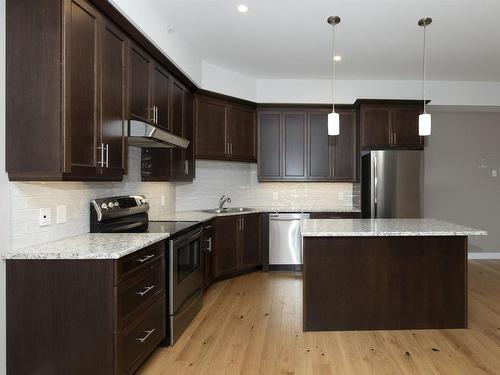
x: 144, y: 135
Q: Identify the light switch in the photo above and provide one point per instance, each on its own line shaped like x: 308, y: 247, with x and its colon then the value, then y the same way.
x: 341, y: 196
x: 494, y: 172
x: 61, y: 214
x: 44, y: 217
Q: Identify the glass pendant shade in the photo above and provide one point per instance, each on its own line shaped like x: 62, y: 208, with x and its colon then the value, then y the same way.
x: 333, y: 123
x: 424, y: 124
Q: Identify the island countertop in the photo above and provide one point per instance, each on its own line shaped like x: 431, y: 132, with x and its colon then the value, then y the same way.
x: 384, y: 227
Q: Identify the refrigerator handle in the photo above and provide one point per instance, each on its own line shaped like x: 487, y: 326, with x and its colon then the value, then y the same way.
x: 375, y: 179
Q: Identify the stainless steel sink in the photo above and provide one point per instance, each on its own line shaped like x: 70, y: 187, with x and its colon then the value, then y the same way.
x: 229, y: 210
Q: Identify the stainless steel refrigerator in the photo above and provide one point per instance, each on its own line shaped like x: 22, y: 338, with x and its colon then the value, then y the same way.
x: 391, y: 184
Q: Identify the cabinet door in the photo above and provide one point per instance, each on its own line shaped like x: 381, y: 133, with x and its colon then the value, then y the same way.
x: 405, y: 126
x: 320, y: 158
x: 188, y: 133
x: 82, y: 90
x: 113, y: 98
x: 249, y: 242
x: 139, y: 87
x: 345, y: 148
x: 177, y: 171
x: 375, y: 126
x: 269, y: 166
x: 210, y: 128
x: 241, y: 133
x: 160, y: 96
x: 294, y: 146
x: 226, y: 245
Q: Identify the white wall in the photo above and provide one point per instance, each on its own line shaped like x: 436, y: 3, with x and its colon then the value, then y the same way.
x: 148, y: 17
x: 461, y: 158
x: 239, y: 181
x: 319, y: 91
x: 225, y: 81
x: 4, y: 189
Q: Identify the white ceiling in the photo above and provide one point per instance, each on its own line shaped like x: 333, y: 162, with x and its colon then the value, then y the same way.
x: 377, y: 39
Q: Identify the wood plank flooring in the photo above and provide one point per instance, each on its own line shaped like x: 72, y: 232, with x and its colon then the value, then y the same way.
x: 252, y: 324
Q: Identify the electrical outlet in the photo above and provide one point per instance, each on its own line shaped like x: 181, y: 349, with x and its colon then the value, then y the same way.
x: 341, y: 196
x: 60, y: 214
x: 44, y: 217
x: 494, y: 172
x: 162, y: 200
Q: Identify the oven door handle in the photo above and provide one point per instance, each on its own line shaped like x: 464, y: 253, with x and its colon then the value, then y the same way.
x: 188, y: 237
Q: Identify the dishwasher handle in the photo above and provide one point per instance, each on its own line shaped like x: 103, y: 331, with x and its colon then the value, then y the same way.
x: 289, y: 216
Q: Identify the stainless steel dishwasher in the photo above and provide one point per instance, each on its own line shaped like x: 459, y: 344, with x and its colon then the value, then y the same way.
x: 285, y: 241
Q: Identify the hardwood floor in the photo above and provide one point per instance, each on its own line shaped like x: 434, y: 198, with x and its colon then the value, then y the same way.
x: 253, y: 324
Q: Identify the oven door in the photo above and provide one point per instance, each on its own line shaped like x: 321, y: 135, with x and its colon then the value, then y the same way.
x: 186, y: 274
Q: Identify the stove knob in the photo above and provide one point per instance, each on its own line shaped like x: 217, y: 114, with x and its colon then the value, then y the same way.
x: 104, y: 206
x: 110, y: 205
x: 117, y: 204
x: 143, y: 201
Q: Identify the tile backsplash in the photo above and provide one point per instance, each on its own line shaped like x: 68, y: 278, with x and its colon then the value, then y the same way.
x: 239, y: 181
x: 28, y: 197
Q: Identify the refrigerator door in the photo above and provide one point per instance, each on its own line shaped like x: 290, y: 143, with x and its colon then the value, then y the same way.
x: 395, y: 183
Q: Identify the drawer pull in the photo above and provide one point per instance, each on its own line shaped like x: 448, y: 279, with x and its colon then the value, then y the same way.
x: 147, y: 257
x: 148, y: 333
x: 146, y: 290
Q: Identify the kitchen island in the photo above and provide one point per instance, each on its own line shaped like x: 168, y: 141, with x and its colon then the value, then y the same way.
x: 371, y: 274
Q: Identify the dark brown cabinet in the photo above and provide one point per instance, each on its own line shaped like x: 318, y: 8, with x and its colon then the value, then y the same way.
x: 207, y: 243
x: 108, y: 328
x: 76, y: 132
x: 295, y: 145
x: 160, y: 97
x: 389, y: 124
x: 224, y: 130
x: 238, y: 244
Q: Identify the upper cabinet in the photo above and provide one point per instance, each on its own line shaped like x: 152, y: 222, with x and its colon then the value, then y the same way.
x: 295, y: 146
x: 224, y: 130
x: 390, y: 124
x: 66, y: 107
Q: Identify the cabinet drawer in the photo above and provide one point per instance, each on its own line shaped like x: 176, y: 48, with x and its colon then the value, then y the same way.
x: 135, y: 262
x: 140, y: 291
x: 138, y: 340
x: 335, y: 215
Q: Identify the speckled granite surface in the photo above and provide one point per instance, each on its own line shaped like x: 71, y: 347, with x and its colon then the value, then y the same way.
x: 384, y: 227
x: 203, y: 216
x: 88, y: 246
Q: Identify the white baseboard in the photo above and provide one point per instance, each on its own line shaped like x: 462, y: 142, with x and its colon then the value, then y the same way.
x: 484, y: 255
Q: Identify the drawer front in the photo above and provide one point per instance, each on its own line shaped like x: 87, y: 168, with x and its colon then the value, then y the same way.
x: 139, y: 291
x: 335, y: 215
x: 138, y: 340
x: 135, y: 262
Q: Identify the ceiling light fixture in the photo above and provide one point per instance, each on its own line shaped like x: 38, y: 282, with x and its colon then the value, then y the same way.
x: 424, y: 120
x: 333, y: 118
x: 242, y: 8
x: 337, y: 58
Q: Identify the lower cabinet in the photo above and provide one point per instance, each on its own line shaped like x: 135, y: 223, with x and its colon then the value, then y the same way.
x: 85, y: 316
x: 237, y: 244
x: 207, y: 243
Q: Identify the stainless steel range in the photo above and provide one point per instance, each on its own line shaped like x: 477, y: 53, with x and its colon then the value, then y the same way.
x: 184, y: 277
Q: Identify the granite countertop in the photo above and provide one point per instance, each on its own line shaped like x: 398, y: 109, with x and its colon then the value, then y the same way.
x: 384, y: 227
x: 200, y: 215
x: 88, y: 246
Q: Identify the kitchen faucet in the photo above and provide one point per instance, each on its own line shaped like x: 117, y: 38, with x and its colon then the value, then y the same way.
x: 223, y: 200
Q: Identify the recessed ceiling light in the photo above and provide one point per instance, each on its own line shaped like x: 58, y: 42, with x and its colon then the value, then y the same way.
x: 337, y: 58
x: 242, y: 8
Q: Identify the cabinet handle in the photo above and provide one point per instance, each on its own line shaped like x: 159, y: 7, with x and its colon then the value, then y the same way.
x: 231, y: 145
x: 156, y: 115
x: 153, y: 118
x: 395, y: 138
x: 209, y: 244
x: 101, y: 162
x: 148, y: 333
x: 147, y: 257
x: 107, y: 155
x: 227, y: 148
x: 186, y: 166
x: 145, y: 291
x: 242, y: 224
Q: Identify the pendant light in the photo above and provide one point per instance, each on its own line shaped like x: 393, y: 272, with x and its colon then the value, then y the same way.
x: 424, y: 120
x: 333, y: 118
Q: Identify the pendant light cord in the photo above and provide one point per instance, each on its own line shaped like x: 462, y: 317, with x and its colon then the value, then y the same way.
x: 333, y: 68
x: 424, y: 73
